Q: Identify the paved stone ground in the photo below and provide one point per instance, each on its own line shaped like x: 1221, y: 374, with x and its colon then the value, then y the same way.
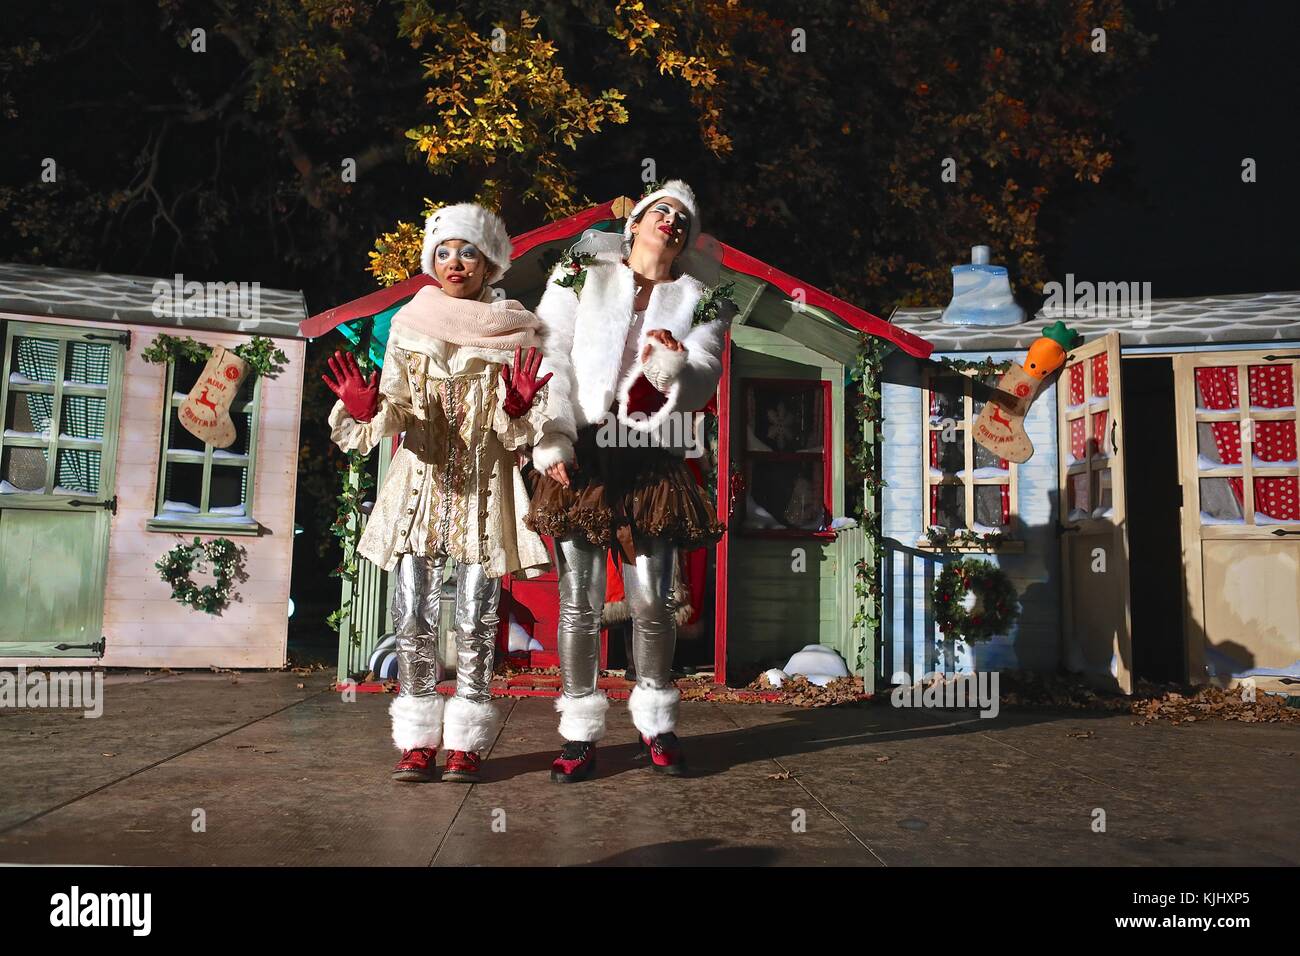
x: 290, y: 775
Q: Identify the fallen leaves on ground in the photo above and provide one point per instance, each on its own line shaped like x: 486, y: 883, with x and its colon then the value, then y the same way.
x: 1215, y: 703
x: 1080, y: 734
x: 1027, y: 689
x: 780, y: 775
x: 798, y: 691
x: 307, y: 669
x: 1149, y: 702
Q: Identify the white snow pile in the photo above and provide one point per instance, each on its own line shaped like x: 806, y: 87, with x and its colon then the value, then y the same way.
x: 819, y: 664
x: 520, y: 639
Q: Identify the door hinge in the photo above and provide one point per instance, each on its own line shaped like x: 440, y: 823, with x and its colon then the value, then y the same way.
x: 97, y: 647
x: 1274, y: 358
x: 1280, y: 532
x: 123, y: 337
x: 110, y: 504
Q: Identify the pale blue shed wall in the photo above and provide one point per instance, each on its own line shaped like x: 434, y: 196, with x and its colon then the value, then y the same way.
x: 1034, y: 643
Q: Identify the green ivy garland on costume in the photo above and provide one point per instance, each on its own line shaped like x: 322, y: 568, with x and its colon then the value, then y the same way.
x: 225, y: 558
x: 994, y: 614
x: 710, y: 305
x: 261, y: 354
x: 574, y: 265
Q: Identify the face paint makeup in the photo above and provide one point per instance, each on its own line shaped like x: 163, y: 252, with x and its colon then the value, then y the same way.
x: 677, y: 219
x: 468, y: 253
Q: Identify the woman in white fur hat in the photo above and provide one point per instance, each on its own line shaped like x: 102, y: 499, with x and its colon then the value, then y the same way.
x: 631, y: 343
x: 460, y: 380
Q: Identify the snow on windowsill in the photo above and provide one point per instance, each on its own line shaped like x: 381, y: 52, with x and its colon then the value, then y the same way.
x: 1205, y: 463
x: 1261, y: 518
x: 1207, y: 518
x: 212, y: 518
x: 8, y: 489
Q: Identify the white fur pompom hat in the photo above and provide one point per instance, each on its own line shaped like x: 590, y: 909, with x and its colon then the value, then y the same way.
x: 469, y: 222
x: 673, y: 189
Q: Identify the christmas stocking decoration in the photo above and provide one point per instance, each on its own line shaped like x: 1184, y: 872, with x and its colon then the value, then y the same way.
x: 205, y: 413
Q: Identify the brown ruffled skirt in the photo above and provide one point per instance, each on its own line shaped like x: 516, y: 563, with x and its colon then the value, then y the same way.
x: 616, y: 493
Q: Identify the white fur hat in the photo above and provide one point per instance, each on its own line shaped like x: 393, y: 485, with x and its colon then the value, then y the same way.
x: 472, y: 223
x: 673, y: 189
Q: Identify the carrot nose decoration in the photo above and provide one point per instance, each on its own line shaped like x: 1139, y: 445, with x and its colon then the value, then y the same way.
x: 1048, y: 353
x: 205, y: 413
x: 1001, y: 425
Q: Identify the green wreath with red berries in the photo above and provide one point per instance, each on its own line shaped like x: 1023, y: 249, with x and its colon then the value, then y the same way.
x: 996, y: 604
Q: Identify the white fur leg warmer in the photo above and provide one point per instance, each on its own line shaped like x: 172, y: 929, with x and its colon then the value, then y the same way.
x: 469, y: 725
x: 417, y: 721
x: 654, y: 711
x: 582, y: 718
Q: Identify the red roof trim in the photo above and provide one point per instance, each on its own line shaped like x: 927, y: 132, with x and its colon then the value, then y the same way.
x: 371, y: 304
x: 859, y: 319
x: 563, y: 228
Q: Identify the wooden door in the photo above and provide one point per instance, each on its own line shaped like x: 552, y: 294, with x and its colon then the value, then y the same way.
x: 1092, y: 522
x: 1237, y: 437
x: 61, y: 400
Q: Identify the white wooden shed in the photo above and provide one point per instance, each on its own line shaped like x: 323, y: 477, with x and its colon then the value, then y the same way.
x: 1155, y: 531
x: 98, y: 480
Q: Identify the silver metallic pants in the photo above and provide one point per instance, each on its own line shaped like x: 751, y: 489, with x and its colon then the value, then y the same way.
x: 416, y: 600
x: 648, y: 586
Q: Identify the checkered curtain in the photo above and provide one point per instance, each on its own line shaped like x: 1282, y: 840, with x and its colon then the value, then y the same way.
x: 83, y: 417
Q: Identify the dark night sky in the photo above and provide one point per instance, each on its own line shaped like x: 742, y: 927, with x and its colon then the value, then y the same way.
x: 1222, y: 83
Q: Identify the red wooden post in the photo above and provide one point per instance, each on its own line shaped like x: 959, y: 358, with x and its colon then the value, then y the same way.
x: 724, y: 512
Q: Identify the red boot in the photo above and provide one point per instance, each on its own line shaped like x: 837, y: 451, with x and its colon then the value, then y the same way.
x: 666, y: 755
x: 576, y: 762
x: 462, y: 767
x: 417, y: 766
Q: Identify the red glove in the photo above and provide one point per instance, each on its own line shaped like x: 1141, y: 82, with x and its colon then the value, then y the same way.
x: 359, y: 397
x: 522, y: 385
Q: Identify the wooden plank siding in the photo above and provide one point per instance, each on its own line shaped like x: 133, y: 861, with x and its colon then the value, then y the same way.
x: 773, y: 609
x: 916, y: 646
x: 143, y: 627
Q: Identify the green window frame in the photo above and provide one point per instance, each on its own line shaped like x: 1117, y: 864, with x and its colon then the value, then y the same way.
x: 207, y: 518
x: 76, y: 395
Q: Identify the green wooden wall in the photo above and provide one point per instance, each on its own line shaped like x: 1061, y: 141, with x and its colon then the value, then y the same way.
x: 775, y: 609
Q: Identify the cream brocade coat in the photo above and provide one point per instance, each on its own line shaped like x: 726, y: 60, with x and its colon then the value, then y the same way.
x: 453, y: 485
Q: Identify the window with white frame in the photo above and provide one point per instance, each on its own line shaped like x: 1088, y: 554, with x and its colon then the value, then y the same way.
x: 965, y: 487
x: 199, y: 485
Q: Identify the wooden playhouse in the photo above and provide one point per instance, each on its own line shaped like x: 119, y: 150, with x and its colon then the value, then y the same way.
x: 98, y: 480
x: 781, y: 578
x: 1153, y: 534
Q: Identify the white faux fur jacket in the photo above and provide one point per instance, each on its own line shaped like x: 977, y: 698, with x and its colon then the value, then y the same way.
x: 584, y: 339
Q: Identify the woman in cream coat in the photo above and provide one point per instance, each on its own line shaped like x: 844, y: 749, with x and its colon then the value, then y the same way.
x: 459, y: 381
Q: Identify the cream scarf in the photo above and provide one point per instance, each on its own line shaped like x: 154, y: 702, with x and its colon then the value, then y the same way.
x: 484, y: 324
